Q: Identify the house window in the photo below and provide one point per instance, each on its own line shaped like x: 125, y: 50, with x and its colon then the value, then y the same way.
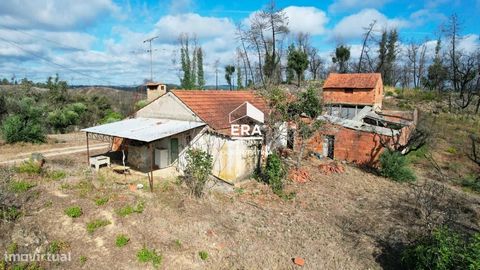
x: 348, y: 91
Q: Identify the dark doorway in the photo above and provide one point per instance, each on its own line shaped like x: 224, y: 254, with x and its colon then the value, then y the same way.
x: 331, y: 146
x: 173, y: 149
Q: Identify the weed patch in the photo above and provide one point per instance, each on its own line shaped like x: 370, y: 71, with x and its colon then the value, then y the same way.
x: 121, y: 240
x: 30, y: 167
x: 9, y: 213
x: 74, y: 211
x: 203, y: 255
x: 20, y: 186
x: 101, y: 201
x: 93, y: 225
x: 57, y: 175
x: 145, y: 255
x: 127, y: 210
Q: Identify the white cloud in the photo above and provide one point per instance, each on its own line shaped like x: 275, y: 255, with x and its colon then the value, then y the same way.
x: 469, y: 43
x: 171, y: 26
x: 53, y: 14
x: 348, y: 5
x: 306, y: 19
x: 353, y: 26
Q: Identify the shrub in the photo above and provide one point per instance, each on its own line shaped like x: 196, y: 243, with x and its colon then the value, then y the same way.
x: 25, y: 124
x: 274, y: 173
x: 74, y: 211
x: 121, y: 240
x: 394, y: 165
x: 471, y: 182
x: 20, y: 186
x: 203, y: 255
x: 57, y: 175
x: 110, y: 117
x: 93, y: 225
x: 30, y: 167
x: 146, y: 255
x: 127, y: 210
x: 199, y: 166
x: 140, y: 104
x: 61, y: 119
x: 443, y: 249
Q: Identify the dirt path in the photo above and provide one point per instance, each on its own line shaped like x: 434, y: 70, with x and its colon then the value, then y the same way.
x: 55, y: 152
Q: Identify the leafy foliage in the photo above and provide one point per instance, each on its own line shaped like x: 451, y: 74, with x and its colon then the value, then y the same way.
x: 274, y: 173
x: 342, y: 55
x: 110, y: 117
x: 297, y: 61
x: 229, y: 70
x: 394, y: 165
x: 443, y: 249
x: 199, y: 166
x: 61, y: 119
x: 24, y: 125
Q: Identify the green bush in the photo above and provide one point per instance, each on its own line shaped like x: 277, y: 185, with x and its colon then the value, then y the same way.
x: 140, y: 104
x: 110, y: 117
x: 24, y: 124
x: 101, y: 201
x: 199, y: 167
x: 74, y: 211
x: 395, y: 166
x: 471, y: 182
x: 274, y: 173
x: 121, y: 240
x: 443, y: 249
x: 146, y: 255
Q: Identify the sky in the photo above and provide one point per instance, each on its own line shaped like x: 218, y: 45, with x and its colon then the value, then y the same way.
x: 100, y: 42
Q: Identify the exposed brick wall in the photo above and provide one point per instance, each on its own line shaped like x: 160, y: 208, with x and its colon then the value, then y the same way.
x: 371, y: 96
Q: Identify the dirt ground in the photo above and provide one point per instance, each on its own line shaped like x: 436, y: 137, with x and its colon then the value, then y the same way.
x: 335, y: 221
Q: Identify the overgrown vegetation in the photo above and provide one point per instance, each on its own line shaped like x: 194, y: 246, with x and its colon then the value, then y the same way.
x: 197, y: 171
x: 20, y: 186
x: 30, y: 167
x: 203, y: 255
x: 274, y: 173
x: 394, y: 166
x: 145, y: 255
x: 443, y: 249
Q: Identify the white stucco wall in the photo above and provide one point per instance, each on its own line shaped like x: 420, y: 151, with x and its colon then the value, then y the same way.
x: 169, y: 107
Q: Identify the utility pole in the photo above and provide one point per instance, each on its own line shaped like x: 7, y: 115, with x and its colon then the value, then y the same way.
x: 216, y: 73
x: 151, y: 60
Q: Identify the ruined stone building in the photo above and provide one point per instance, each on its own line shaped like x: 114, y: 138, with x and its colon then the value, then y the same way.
x: 356, y: 128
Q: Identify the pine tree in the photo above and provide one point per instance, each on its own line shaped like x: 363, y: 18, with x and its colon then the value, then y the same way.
x: 239, y: 77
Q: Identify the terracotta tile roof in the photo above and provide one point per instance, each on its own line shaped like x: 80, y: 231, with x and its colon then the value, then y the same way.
x: 352, y: 80
x: 213, y: 106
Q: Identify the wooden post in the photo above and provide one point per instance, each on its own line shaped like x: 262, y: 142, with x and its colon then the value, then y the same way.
x: 150, y: 178
x: 88, y: 151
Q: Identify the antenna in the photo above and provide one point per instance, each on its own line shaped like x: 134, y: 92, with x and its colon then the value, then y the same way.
x: 150, y: 50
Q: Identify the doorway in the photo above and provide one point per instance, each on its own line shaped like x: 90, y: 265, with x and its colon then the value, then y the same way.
x: 329, y: 146
x: 173, y: 149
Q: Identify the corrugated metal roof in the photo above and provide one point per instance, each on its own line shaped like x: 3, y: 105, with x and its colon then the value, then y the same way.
x: 352, y: 80
x: 144, y: 129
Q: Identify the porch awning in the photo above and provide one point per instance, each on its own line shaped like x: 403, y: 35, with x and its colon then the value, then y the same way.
x: 144, y: 129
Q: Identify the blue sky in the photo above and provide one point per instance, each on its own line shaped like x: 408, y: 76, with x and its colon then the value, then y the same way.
x: 100, y: 41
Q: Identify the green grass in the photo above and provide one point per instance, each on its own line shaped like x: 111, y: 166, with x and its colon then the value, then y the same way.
x: 417, y: 155
x: 121, y: 240
x: 9, y: 214
x: 56, y: 246
x: 20, y: 186
x: 203, y: 255
x: 29, y: 167
x: 57, y: 175
x: 127, y: 210
x: 93, y: 225
x: 83, y: 259
x: 145, y: 255
x: 12, y: 248
x: 101, y: 201
x: 74, y: 211
x: 178, y: 243
x: 471, y: 182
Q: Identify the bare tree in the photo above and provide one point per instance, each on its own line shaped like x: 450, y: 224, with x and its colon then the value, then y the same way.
x: 242, y: 37
x: 366, y: 38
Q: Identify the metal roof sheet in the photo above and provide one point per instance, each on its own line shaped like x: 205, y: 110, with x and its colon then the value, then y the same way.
x: 144, y: 129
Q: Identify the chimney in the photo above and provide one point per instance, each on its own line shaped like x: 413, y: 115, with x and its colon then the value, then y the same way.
x: 154, y: 90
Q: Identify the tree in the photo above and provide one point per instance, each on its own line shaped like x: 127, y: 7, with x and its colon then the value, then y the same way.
x: 200, y: 74
x: 197, y: 171
x: 57, y: 90
x: 304, y: 111
x: 436, y: 72
x: 315, y: 63
x: 187, y: 81
x: 229, y: 70
x: 239, y: 75
x: 341, y: 57
x: 24, y: 124
x: 297, y: 60
x: 364, y: 51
